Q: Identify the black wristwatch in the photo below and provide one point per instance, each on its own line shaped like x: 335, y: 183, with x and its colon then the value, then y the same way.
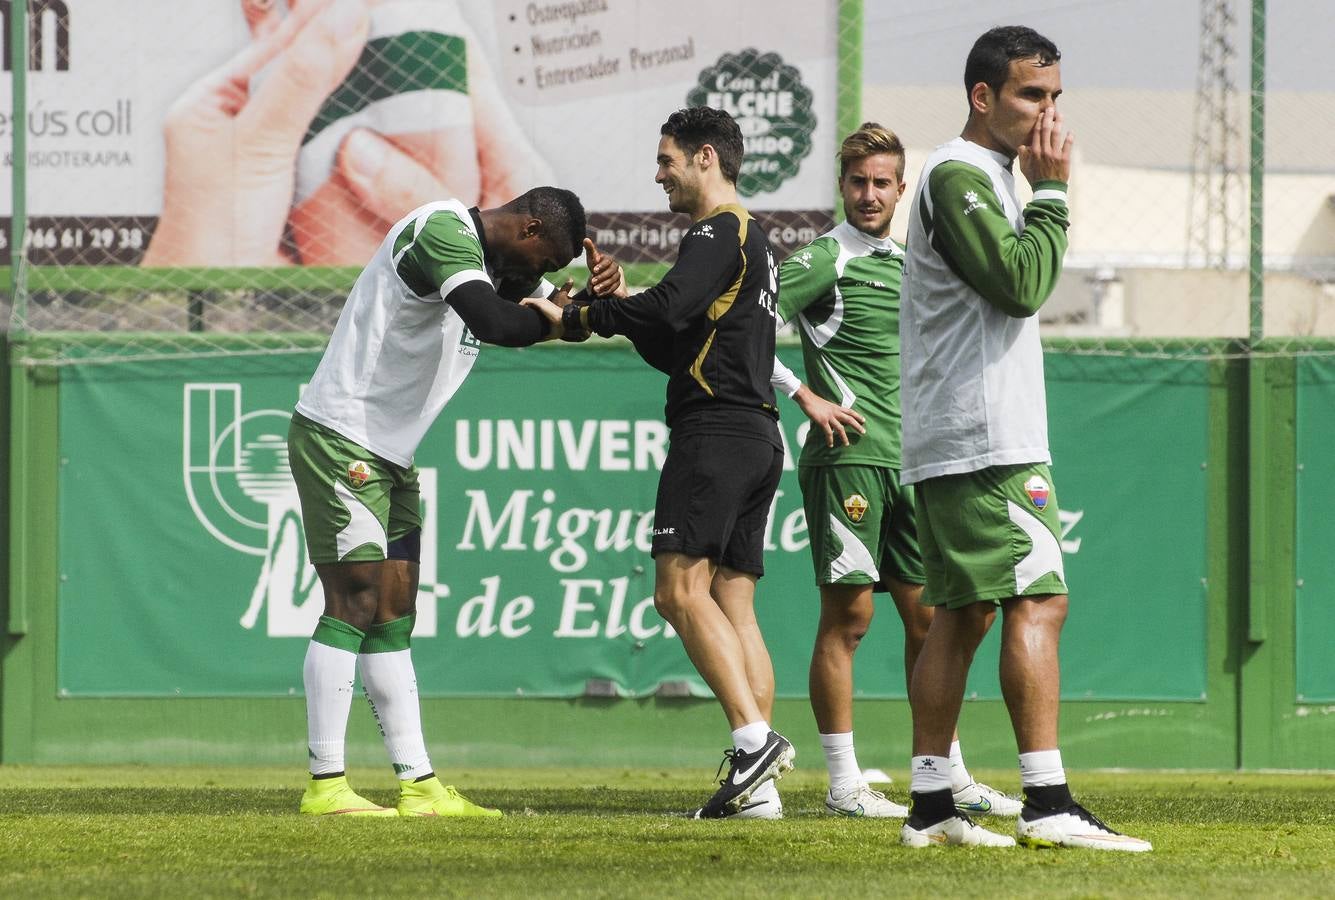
x: 572, y: 324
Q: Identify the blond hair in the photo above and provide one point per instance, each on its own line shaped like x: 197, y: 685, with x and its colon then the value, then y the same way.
x: 870, y: 139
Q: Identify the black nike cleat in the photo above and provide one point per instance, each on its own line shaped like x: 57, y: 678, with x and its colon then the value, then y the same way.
x: 746, y: 772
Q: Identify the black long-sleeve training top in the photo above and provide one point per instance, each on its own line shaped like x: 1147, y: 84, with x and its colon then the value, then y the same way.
x: 709, y: 324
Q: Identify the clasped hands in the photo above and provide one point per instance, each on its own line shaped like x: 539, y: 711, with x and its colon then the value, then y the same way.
x: 606, y: 279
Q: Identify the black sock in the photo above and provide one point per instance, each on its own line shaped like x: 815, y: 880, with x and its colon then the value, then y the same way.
x: 424, y: 777
x: 328, y: 775
x: 1049, y: 797
x: 930, y: 807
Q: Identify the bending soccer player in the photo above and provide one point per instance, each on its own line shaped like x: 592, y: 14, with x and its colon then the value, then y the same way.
x: 709, y: 324
x: 975, y: 441
x: 444, y: 280
x: 844, y: 289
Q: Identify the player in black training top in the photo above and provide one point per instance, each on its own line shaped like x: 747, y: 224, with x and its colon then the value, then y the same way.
x: 710, y: 325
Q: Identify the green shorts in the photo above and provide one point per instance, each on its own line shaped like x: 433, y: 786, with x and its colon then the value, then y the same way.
x: 862, y: 525
x: 353, y: 503
x: 989, y: 535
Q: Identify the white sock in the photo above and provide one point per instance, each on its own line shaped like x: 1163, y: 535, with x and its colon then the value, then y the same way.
x: 841, y: 761
x: 328, y: 674
x: 391, y: 687
x: 1041, y: 768
x: 929, y: 773
x: 959, y: 773
x: 751, y: 737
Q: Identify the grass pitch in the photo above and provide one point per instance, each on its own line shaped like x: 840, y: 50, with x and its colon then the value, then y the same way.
x: 134, y: 832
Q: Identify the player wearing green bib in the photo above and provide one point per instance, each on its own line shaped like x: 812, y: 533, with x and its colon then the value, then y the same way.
x: 975, y: 437
x: 843, y: 289
x: 443, y: 282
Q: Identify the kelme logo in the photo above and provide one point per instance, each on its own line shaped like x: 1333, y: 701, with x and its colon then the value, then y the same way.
x: 772, y: 107
x: 358, y: 473
x: 855, y: 505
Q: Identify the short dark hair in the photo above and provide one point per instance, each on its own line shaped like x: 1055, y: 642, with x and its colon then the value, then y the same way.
x: 696, y: 126
x: 560, y: 211
x: 989, y: 60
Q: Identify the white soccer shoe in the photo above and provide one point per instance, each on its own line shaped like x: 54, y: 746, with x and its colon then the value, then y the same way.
x: 1073, y: 826
x: 980, y: 800
x: 864, y: 803
x: 957, y: 830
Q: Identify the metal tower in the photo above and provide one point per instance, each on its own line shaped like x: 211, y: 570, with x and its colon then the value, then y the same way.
x: 1216, y: 205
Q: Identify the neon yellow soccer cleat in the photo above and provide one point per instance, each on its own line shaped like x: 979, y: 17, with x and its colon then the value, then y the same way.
x: 431, y: 798
x: 335, y: 797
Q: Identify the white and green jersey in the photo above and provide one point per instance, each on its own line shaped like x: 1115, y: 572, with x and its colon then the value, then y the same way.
x: 399, y: 351
x: 844, y: 289
x: 977, y: 270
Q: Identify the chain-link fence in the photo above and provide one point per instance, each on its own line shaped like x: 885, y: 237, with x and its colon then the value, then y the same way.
x: 1160, y: 97
x: 224, y: 168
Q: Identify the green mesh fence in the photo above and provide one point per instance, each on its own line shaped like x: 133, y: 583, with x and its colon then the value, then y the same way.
x: 226, y: 168
x: 1160, y: 98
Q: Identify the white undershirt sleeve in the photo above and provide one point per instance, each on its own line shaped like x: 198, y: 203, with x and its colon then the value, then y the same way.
x: 784, y: 379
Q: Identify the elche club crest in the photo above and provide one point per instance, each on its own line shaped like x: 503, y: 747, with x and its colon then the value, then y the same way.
x: 358, y: 473
x: 1038, y: 490
x: 855, y: 505
x: 772, y: 107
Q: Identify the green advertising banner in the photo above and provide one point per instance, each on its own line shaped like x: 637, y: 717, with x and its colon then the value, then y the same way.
x: 1129, y: 442
x: 1315, y: 615
x: 183, y: 568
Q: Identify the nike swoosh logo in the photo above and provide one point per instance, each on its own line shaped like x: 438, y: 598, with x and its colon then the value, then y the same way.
x: 981, y: 805
x: 858, y: 813
x: 738, y: 776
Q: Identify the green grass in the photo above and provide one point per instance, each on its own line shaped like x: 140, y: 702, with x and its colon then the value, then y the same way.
x: 113, y: 832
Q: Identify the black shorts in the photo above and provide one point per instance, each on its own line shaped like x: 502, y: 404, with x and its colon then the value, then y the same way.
x: 714, y: 498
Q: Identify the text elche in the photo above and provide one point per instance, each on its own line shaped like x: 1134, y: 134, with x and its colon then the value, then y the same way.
x: 525, y: 521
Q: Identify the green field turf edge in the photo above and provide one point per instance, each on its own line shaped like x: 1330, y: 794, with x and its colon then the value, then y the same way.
x: 197, y: 832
